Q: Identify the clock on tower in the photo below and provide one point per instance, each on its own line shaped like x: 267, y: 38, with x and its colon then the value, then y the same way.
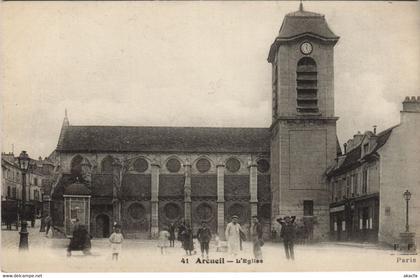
x: 306, y: 48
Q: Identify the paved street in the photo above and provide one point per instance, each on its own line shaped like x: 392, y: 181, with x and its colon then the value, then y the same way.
x: 48, y: 255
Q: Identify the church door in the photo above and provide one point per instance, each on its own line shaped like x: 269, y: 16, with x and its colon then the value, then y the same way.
x: 102, y: 226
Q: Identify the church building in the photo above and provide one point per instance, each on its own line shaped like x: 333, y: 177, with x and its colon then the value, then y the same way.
x: 147, y: 177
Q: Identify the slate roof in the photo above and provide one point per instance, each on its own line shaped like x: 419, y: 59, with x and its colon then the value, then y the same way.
x: 383, y: 137
x: 301, y: 23
x: 76, y: 189
x: 353, y: 158
x: 163, y: 139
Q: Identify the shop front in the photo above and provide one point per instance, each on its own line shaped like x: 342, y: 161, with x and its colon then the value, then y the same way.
x: 355, y: 219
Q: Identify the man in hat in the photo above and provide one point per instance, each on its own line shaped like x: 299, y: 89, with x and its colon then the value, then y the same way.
x: 288, y: 233
x: 232, y: 234
x: 204, y: 236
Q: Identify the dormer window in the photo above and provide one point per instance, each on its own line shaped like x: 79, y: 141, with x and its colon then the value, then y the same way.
x: 365, y: 148
x: 306, y: 86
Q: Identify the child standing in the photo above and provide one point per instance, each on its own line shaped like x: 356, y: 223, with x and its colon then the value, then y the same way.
x: 163, y: 241
x: 116, y: 240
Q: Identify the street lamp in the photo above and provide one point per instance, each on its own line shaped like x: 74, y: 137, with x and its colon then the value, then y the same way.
x: 24, y: 166
x: 407, y: 197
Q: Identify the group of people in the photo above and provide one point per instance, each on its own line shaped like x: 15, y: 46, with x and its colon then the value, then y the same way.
x: 234, y: 234
x: 186, y: 237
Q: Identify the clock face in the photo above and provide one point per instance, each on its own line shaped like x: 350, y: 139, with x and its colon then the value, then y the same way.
x: 306, y: 48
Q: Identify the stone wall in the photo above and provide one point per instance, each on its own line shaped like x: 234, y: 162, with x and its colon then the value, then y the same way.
x: 399, y: 171
x: 150, y: 199
x: 306, y: 149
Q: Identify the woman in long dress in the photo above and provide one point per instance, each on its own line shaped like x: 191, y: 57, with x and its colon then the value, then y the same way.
x: 181, y: 229
x: 233, y: 237
x: 187, y: 237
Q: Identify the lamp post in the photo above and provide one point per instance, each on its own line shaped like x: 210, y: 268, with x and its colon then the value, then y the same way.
x: 407, y: 197
x: 407, y: 238
x: 24, y: 166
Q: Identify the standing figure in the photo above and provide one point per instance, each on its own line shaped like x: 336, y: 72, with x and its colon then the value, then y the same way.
x: 181, y: 229
x: 204, y: 237
x: 187, y: 239
x: 33, y: 220
x: 273, y: 234
x: 288, y: 233
x: 80, y: 240
x: 232, y: 234
x: 256, y: 235
x: 164, y: 237
x: 48, y: 222
x: 172, y: 235
x: 116, y: 240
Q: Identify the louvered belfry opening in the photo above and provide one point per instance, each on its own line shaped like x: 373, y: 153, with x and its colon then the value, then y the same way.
x: 307, y: 101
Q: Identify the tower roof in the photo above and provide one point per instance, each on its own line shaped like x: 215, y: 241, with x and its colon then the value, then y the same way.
x: 302, y: 23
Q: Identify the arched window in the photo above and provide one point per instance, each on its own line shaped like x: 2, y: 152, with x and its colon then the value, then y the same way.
x: 306, y: 86
x: 106, y: 165
x: 76, y: 166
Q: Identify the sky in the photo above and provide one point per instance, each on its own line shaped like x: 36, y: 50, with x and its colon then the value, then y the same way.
x: 189, y: 64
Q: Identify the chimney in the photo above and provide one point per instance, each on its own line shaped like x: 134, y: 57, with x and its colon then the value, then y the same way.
x: 374, y: 129
x: 357, y: 138
x: 411, y: 104
x: 345, y: 148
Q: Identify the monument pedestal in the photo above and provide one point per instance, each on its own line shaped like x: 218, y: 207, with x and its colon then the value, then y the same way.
x: 407, y: 242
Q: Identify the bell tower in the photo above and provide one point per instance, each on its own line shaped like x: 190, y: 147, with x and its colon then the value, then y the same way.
x: 303, y: 141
